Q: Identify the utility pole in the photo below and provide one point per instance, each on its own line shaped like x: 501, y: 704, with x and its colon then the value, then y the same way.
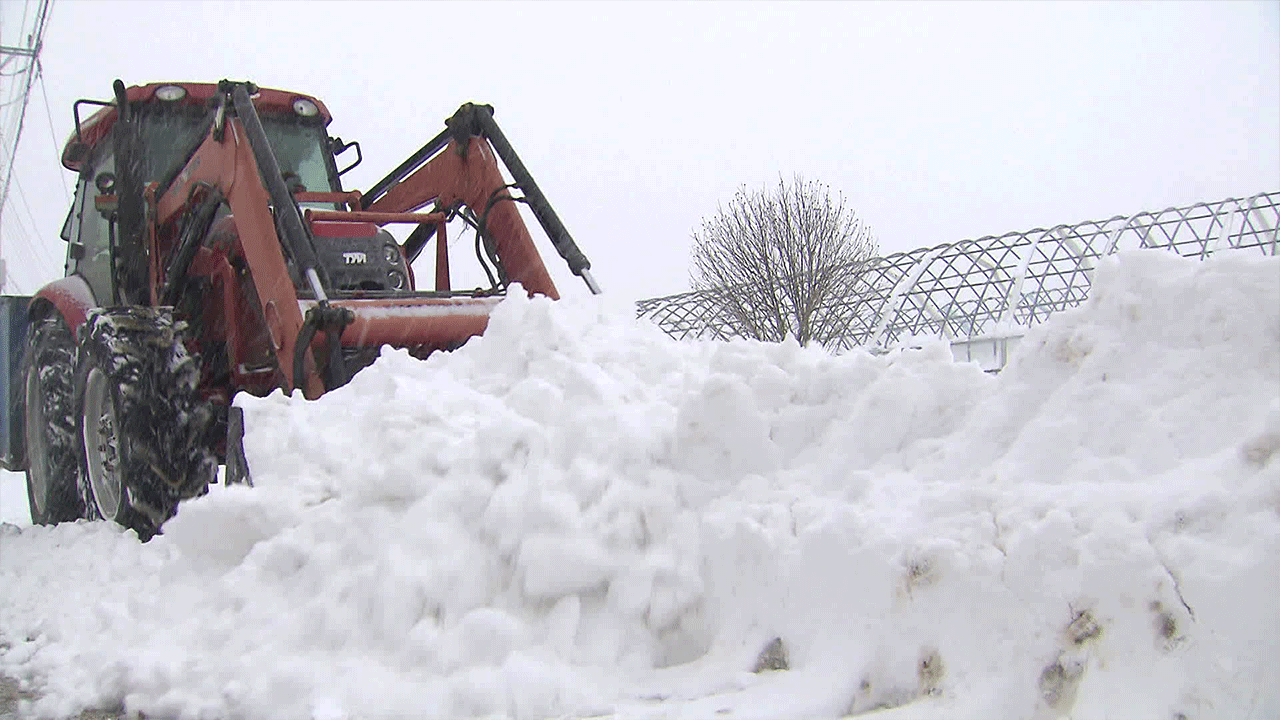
x: 35, y: 41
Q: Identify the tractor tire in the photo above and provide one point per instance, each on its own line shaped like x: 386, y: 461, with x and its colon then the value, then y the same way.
x: 52, y: 459
x: 145, y: 434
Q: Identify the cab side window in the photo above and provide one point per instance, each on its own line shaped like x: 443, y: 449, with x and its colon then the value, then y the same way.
x: 71, y: 229
x: 96, y: 226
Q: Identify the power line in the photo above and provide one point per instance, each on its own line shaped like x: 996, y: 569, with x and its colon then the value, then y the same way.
x: 31, y: 241
x: 6, y: 61
x: 41, y: 18
x: 12, y: 102
x: 24, y: 233
x: 66, y: 191
x: 15, y: 73
x: 26, y: 5
x: 35, y: 41
x: 27, y: 256
x: 42, y: 251
x: 11, y: 282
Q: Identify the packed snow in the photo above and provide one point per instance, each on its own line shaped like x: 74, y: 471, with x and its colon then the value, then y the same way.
x: 576, y: 516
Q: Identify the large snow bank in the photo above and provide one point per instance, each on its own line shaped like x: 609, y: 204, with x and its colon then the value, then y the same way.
x: 575, y: 515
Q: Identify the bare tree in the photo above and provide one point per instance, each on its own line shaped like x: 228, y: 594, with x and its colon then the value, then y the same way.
x: 782, y: 261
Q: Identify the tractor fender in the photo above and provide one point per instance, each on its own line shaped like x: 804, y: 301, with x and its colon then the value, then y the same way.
x: 70, y: 296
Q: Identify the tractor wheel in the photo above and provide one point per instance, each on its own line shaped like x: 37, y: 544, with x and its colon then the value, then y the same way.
x: 52, y: 466
x: 145, y: 433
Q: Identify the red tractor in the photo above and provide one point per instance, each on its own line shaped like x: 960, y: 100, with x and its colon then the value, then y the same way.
x: 212, y: 250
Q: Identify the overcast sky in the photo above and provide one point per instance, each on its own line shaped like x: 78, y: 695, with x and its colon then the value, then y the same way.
x: 936, y: 121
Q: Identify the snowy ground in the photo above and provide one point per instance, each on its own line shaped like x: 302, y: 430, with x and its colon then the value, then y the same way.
x: 576, y: 516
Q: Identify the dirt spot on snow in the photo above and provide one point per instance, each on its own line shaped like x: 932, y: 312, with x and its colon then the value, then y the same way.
x: 1060, y: 678
x: 772, y: 657
x: 12, y: 695
x: 921, y: 572
x: 929, y: 672
x: 1259, y: 450
x: 1167, y: 630
x: 1058, y: 682
x: 1083, y: 628
x: 887, y: 693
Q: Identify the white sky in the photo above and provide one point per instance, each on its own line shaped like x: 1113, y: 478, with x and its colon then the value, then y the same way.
x: 936, y: 121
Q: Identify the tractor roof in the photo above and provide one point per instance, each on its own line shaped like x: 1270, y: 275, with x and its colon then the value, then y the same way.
x: 98, y: 125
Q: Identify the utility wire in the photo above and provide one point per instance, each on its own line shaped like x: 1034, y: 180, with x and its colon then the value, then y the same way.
x: 27, y: 256
x: 26, y: 5
x: 11, y: 282
x: 42, y: 17
x: 14, y: 73
x: 42, y: 251
x: 66, y: 191
x: 29, y: 237
x: 26, y: 96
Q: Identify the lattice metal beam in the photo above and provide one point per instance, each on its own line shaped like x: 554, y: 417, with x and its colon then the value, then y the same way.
x: 993, y: 286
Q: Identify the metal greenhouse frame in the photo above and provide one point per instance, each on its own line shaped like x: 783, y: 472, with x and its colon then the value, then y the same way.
x: 979, y: 294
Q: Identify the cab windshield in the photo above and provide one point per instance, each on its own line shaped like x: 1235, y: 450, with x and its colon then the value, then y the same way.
x: 299, y: 147
x: 300, y: 151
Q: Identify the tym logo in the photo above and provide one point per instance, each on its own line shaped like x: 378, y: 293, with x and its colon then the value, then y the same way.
x: 354, y: 258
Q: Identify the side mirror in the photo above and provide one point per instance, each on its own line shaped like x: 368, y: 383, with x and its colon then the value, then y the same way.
x: 337, y: 147
x: 75, y: 153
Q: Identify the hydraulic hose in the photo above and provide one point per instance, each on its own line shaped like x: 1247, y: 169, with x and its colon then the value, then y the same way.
x: 537, y: 202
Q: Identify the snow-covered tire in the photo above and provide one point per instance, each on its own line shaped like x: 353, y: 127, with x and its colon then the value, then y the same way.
x: 144, y: 431
x: 51, y: 439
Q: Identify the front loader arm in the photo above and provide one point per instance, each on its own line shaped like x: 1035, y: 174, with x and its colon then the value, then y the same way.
x: 473, y: 179
x: 461, y: 166
x: 226, y: 161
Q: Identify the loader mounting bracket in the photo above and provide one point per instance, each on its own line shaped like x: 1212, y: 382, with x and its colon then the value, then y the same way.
x: 332, y: 320
x: 466, y: 123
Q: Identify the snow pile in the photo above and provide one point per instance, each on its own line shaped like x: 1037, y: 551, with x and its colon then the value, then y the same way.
x: 576, y: 516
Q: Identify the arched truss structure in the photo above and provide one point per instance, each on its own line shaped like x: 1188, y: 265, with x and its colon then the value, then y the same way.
x: 997, y: 286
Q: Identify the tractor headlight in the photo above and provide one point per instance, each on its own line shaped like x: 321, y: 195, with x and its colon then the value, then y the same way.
x: 391, y: 253
x: 305, y: 108
x: 170, y: 93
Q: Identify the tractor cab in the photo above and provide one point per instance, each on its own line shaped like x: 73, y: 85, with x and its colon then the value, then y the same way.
x: 173, y: 118
x: 169, y: 123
